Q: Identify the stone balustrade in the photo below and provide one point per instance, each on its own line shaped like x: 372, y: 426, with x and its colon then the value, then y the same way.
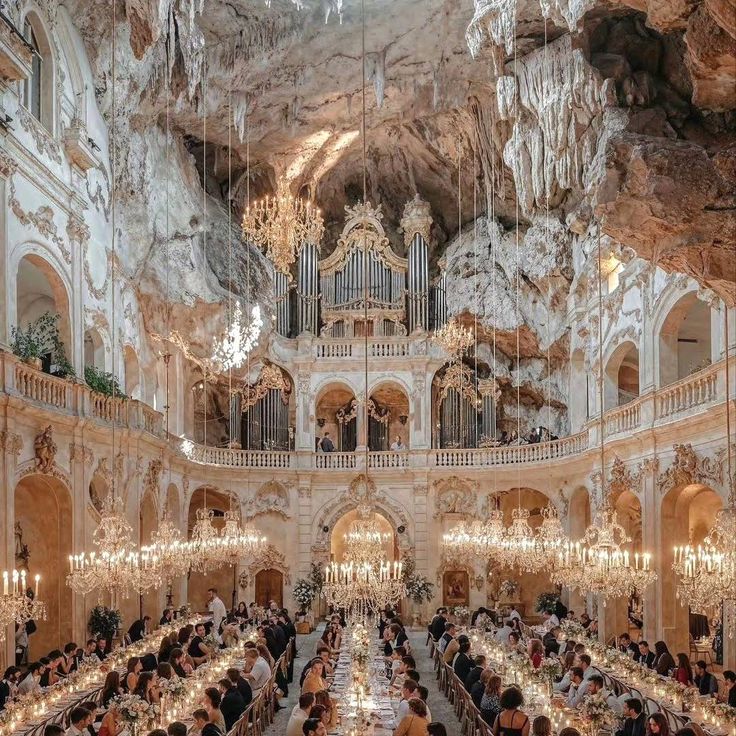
x: 671, y: 403
x: 355, y: 347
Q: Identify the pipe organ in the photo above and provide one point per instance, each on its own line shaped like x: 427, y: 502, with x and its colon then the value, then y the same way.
x: 281, y: 293
x: 438, y: 298
x: 265, y: 411
x: 331, y: 292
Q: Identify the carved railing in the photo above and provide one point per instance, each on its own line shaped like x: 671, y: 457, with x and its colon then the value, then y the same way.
x: 109, y: 409
x: 624, y: 418
x: 388, y: 459
x: 38, y: 386
x: 388, y: 349
x: 354, y: 347
x: 225, y: 457
x: 334, y: 349
x: 334, y: 460
x: 688, y: 393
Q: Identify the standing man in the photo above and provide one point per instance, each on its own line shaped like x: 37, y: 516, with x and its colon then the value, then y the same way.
x: 398, y: 445
x: 217, y: 608
x: 327, y: 444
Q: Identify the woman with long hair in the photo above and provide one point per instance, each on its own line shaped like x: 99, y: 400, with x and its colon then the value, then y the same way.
x: 684, y: 670
x: 111, y: 689
x: 535, y: 649
x: 664, y: 661
x: 314, y: 681
x: 542, y: 726
x: 133, y: 671
x: 111, y: 723
x: 657, y: 725
x: 322, y: 697
x: 490, y: 703
x: 146, y: 687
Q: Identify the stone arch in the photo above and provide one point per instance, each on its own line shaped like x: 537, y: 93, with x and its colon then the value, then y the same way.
x: 39, y: 90
x: 342, y: 526
x: 271, y: 497
x: 331, y: 396
x: 682, y: 342
x: 687, y: 511
x: 41, y: 285
x: 49, y: 539
x: 621, y: 375
x: 392, y: 395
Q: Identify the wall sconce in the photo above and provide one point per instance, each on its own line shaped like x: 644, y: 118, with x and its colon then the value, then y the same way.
x: 321, y: 421
x: 403, y: 418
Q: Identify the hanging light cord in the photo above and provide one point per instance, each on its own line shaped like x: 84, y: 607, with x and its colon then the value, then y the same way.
x: 604, y: 498
x: 366, y: 419
x: 731, y: 479
x: 518, y: 272
x: 113, y: 172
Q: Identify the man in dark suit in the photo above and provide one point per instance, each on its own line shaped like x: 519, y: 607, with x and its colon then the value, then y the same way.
x: 437, y: 626
x: 635, y: 722
x: 474, y: 675
x: 646, y: 656
x: 244, y: 688
x: 232, y: 704
x: 327, y: 444
x: 9, y: 684
x: 462, y: 663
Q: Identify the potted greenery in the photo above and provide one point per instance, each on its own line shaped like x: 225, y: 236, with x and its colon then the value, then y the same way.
x: 104, y: 621
x: 304, y: 595
x: 418, y: 587
x: 103, y: 382
x: 41, y: 338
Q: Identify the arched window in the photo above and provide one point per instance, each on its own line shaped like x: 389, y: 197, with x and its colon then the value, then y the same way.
x: 38, y: 88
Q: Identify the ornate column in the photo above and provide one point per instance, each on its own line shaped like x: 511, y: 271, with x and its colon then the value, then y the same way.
x: 305, y: 409
x: 420, y: 413
x: 78, y: 234
x: 7, y: 169
x: 651, y: 522
x: 416, y: 223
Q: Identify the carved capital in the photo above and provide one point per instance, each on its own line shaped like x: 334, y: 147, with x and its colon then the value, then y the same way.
x: 421, y: 489
x: 304, y: 491
x: 416, y: 220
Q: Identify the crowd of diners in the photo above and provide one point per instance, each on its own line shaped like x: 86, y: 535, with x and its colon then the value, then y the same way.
x: 502, y: 708
x: 315, y: 714
x: 264, y: 634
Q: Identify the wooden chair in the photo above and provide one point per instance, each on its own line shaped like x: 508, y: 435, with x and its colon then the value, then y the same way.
x: 651, y: 706
x: 700, y: 651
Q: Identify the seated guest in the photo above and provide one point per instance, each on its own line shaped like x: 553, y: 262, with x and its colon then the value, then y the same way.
x: 314, y: 680
x: 502, y: 635
x: 479, y: 663
x: 514, y: 615
x: 394, y: 664
x: 479, y: 687
x: 101, y: 648
x: 453, y: 648
x: 179, y: 664
x: 574, y: 696
x: 514, y: 645
x: 664, y: 661
x: 313, y: 727
x: 68, y: 662
x: 134, y: 669
x: 413, y: 675
x: 627, y: 646
x: 437, y: 625
x: 704, y: 680
x: 462, y: 663
x: 542, y: 726
x: 323, y: 698
x: 31, y: 682
x: 111, y: 722
x: 245, y: 690
x: 299, y: 714
x: 211, y: 701
x: 232, y: 704
x: 490, y: 703
x: 9, y: 685
x: 568, y: 662
x: 550, y: 619
x: 595, y: 686
x: 447, y: 637
x: 535, y: 651
x: 646, y: 655
x: 111, y: 688
x: 53, y: 729
x: 408, y: 691
x: 684, y: 671
x: 257, y: 671
x: 585, y: 620
x: 146, y: 687
x: 657, y: 725
x: 77, y: 722
x: 51, y: 672
x: 729, y: 696
x: 511, y: 721
x: 415, y: 723
x: 166, y: 617
x: 436, y: 729
x: 202, y: 721
x: 550, y: 641
x: 90, y: 706
x: 634, y: 719
x: 423, y: 694
x: 198, y: 650
x: 176, y: 728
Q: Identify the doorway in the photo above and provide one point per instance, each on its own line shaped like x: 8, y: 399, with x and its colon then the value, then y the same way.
x: 269, y: 587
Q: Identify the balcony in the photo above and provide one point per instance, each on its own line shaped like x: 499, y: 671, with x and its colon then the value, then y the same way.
x: 678, y: 402
x: 16, y: 55
x: 78, y: 146
x: 355, y: 347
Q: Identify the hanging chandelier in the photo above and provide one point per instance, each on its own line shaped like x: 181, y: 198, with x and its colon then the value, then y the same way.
x: 16, y: 605
x: 237, y: 542
x: 454, y: 338
x: 170, y: 551
x: 115, y: 564
x: 519, y: 547
x: 281, y: 225
x: 600, y: 564
x: 364, y: 540
x: 205, y: 555
x: 239, y: 339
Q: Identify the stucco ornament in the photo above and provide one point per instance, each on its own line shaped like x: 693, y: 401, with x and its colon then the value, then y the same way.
x: 269, y: 558
x: 271, y: 497
x: 687, y: 468
x: 45, y: 450
x: 453, y: 496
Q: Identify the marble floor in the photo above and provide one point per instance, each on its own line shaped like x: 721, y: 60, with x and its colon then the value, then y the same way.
x: 441, y: 709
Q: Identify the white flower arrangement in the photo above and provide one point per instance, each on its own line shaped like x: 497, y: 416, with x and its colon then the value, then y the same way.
x: 212, y: 643
x: 462, y: 612
x: 550, y: 668
x: 174, y: 688
x: 597, y: 712
x: 303, y: 592
x: 134, y: 709
x: 573, y: 629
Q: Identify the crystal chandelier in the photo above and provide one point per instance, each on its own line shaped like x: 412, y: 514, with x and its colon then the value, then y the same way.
x: 599, y: 564
x: 205, y: 552
x: 115, y: 565
x: 281, y: 224
x: 364, y: 540
x: 237, y: 542
x: 239, y: 339
x: 551, y: 535
x: 454, y: 338
x: 519, y: 547
x: 16, y: 605
x: 171, y: 553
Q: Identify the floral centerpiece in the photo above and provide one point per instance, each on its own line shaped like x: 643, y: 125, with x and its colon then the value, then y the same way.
x: 136, y: 711
x: 461, y: 613
x: 547, y: 601
x: 173, y: 688
x: 508, y: 588
x: 360, y: 649
x: 212, y: 643
x: 303, y: 593
x: 573, y: 629
x: 721, y: 713
x: 596, y: 711
x: 550, y: 668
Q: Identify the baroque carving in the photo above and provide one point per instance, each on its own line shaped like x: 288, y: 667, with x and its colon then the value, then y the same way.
x: 416, y: 220
x: 270, y: 378
x: 453, y: 496
x: 622, y: 479
x: 268, y: 559
x: 8, y: 166
x: 153, y: 477
x: 687, y: 468
x: 44, y: 141
x: 270, y: 498
x: 81, y: 453
x: 45, y: 450
x: 11, y: 442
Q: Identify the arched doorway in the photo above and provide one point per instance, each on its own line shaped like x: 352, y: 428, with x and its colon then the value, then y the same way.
x: 388, y: 417
x: 94, y: 349
x: 269, y: 587
x: 687, y: 513
x: 685, y: 339
x: 337, y: 416
x: 622, y: 376
x: 47, y: 535
x: 343, y: 525
x: 40, y: 290
x: 150, y: 603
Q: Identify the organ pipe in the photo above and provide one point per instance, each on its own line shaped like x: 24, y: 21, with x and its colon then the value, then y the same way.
x: 418, y: 306
x: 308, y: 289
